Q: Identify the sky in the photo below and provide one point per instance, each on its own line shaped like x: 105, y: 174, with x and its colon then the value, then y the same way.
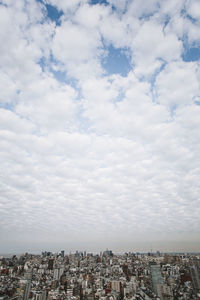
x: 99, y: 125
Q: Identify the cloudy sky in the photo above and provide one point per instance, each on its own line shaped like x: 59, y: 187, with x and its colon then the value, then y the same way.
x: 99, y: 125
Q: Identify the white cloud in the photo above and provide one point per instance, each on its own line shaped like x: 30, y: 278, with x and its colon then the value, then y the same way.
x: 134, y: 115
x: 78, y: 49
x: 8, y: 89
x: 116, y: 30
x: 93, y: 150
x: 177, y: 84
x: 91, y: 16
x: 10, y: 121
x: 194, y: 9
x: 171, y: 8
x: 72, y: 42
x: 151, y: 45
x: 48, y: 104
x: 138, y: 9
x: 183, y: 27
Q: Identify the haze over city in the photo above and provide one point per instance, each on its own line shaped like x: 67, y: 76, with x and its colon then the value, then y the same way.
x: 99, y: 125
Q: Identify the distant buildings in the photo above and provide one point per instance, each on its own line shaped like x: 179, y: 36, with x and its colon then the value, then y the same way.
x: 195, y: 274
x: 87, y: 276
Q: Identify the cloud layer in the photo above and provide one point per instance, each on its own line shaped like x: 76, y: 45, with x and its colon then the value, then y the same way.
x: 91, y: 158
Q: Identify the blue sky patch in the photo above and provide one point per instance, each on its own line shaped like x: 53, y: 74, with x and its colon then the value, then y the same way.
x: 93, y: 2
x: 191, y: 54
x: 52, y: 12
x: 8, y: 106
x: 116, y: 62
x: 60, y: 76
x: 42, y: 63
x: 64, y: 78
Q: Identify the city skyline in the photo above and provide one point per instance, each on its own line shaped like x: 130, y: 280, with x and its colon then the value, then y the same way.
x: 99, y: 125
x: 104, y: 276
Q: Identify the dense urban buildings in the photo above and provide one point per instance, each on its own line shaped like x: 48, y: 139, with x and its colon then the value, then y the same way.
x: 104, y: 276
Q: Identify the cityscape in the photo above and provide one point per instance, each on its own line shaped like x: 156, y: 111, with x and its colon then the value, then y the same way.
x: 99, y: 149
x: 103, y: 276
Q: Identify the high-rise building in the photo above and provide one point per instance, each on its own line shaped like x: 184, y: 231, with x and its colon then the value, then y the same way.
x: 27, y: 290
x: 156, y: 277
x: 50, y: 264
x: 42, y: 295
x: 116, y: 285
x: 56, y: 274
x: 195, y: 274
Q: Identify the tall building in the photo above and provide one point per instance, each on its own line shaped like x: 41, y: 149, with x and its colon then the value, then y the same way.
x: 27, y: 290
x: 56, y: 274
x: 195, y: 274
x: 156, y: 277
x: 50, y: 264
x: 162, y: 290
x: 29, y: 274
x: 42, y: 295
x: 116, y: 285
